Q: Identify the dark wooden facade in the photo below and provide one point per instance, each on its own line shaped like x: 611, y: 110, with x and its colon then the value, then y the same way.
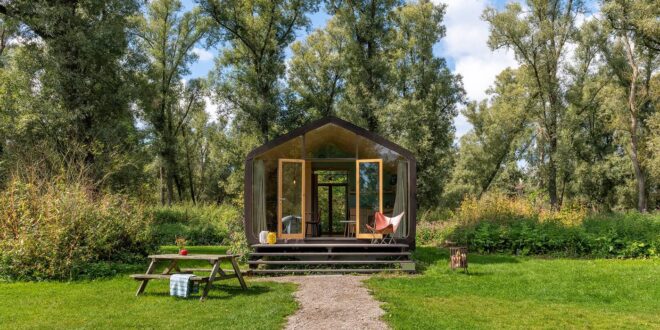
x: 408, y: 240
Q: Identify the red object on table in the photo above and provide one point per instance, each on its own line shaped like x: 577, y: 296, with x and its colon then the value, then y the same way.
x: 183, y: 252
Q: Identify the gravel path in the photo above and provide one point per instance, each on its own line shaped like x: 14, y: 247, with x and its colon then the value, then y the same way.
x: 333, y: 302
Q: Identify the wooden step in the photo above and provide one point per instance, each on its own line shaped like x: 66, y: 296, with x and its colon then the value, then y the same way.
x: 327, y: 262
x: 327, y: 271
x: 318, y: 254
x: 329, y: 245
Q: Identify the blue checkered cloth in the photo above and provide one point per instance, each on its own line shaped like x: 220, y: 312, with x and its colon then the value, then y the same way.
x: 180, y: 285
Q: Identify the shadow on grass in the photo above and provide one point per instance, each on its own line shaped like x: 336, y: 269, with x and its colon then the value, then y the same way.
x: 426, y: 257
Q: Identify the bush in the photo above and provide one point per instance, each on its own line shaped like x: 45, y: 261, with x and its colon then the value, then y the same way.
x: 63, y: 230
x: 198, y: 224
x: 498, y: 224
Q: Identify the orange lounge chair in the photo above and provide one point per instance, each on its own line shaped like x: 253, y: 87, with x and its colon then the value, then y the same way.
x: 385, y: 226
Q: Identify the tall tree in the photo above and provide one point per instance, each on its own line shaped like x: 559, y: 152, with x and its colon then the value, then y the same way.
x: 317, y: 71
x: 539, y: 36
x: 248, y: 76
x: 368, y: 27
x: 78, y: 51
x: 168, y: 37
x: 497, y: 133
x: 633, y: 60
x: 425, y: 94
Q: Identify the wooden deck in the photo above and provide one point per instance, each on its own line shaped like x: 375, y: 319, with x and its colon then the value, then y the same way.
x: 335, y: 257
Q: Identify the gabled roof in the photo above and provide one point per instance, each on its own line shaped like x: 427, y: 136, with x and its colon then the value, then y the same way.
x: 336, y: 121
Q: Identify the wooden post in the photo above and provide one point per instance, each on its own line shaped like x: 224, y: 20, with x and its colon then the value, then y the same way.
x: 214, y: 272
x: 458, y: 258
x: 150, y: 270
x: 237, y: 272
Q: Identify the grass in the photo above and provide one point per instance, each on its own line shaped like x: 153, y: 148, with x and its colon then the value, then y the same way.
x: 517, y: 292
x: 111, y: 304
x: 499, y: 292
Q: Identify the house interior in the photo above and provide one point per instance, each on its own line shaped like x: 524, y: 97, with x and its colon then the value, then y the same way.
x: 315, y: 185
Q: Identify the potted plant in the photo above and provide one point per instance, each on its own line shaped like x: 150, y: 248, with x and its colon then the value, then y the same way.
x: 181, y: 243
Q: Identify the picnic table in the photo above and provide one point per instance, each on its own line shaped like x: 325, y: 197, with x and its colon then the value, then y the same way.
x: 216, y: 273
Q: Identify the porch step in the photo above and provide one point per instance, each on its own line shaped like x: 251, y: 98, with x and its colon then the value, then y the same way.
x: 327, y: 262
x: 322, y: 254
x: 326, y: 271
x: 329, y: 258
x: 330, y: 245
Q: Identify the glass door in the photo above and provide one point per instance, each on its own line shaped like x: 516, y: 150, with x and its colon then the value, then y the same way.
x: 369, y: 195
x: 291, y: 198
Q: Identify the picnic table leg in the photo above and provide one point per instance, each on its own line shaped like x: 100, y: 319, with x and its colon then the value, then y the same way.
x: 214, y: 272
x: 237, y: 272
x: 172, y: 265
x: 150, y: 270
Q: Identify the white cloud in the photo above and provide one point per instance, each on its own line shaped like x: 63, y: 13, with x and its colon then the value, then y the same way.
x: 203, y: 54
x: 211, y: 108
x: 466, y: 45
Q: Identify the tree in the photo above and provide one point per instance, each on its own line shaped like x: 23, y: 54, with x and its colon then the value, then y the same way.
x: 168, y: 37
x: 367, y: 27
x: 538, y: 38
x: 425, y: 95
x: 317, y: 72
x: 592, y: 170
x: 75, y: 52
x: 248, y: 76
x: 632, y: 59
x: 498, y: 133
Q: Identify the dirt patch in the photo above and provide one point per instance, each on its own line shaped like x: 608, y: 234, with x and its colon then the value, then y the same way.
x: 333, y: 302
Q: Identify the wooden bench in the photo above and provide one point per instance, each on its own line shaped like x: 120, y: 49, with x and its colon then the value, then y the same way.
x: 216, y: 273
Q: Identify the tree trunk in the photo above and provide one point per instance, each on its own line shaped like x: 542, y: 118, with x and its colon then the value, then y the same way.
x: 634, y: 126
x: 552, y: 174
x: 191, y: 182
x: 162, y: 191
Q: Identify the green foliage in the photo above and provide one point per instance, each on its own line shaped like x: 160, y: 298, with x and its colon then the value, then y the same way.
x: 237, y: 242
x: 248, y: 75
x: 64, y: 230
x: 198, y: 224
x: 496, y: 224
x: 166, y: 37
x: 487, y: 152
x: 72, y: 85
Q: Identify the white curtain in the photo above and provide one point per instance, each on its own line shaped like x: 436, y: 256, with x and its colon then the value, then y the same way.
x: 259, y: 197
x: 401, y: 198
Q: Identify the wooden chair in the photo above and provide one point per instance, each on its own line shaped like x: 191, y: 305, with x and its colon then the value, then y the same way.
x: 314, y: 225
x: 349, y: 228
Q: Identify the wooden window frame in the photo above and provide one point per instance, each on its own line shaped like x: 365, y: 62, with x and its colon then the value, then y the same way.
x: 280, y: 234
x: 358, y: 234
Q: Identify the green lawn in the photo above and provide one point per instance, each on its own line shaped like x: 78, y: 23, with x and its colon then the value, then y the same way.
x: 511, y: 292
x: 499, y: 292
x: 111, y: 303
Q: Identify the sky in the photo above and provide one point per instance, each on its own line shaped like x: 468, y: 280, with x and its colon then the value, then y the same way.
x: 464, y: 48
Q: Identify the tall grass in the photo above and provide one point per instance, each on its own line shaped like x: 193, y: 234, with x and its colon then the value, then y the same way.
x: 500, y: 224
x: 65, y: 229
x: 201, y: 224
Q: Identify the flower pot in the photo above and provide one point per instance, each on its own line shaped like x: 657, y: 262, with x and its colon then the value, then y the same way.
x: 183, y: 252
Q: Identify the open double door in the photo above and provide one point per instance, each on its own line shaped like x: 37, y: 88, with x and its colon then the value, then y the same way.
x: 294, y: 196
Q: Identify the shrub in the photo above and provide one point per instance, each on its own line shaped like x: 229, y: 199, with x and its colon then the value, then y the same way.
x: 198, y: 224
x: 499, y: 224
x: 66, y: 230
x: 237, y: 241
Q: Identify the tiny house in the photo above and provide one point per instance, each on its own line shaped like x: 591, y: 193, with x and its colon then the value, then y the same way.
x: 319, y: 188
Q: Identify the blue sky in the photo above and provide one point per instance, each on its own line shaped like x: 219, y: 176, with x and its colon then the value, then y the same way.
x: 464, y: 48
